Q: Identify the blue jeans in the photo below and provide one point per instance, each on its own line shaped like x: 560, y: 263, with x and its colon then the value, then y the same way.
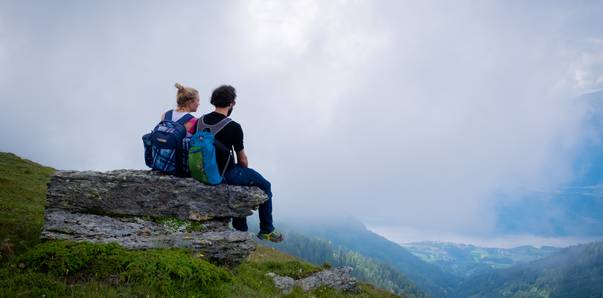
x: 248, y: 177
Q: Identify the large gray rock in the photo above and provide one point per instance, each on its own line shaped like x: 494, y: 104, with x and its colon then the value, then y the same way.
x: 215, y: 241
x: 336, y: 278
x: 283, y: 283
x: 145, y: 209
x: 148, y: 193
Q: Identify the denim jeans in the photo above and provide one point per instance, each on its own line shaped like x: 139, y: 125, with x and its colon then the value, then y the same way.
x: 248, y: 177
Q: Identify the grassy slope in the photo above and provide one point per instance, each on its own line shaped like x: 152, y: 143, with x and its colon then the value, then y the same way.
x: 58, y: 268
x: 22, y: 193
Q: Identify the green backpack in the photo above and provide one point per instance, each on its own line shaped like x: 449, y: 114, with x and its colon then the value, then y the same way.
x: 202, y: 152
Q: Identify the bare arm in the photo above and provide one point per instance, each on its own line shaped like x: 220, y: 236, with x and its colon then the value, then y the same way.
x: 242, y: 158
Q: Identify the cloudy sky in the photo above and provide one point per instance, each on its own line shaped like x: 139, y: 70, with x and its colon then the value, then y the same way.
x: 466, y: 121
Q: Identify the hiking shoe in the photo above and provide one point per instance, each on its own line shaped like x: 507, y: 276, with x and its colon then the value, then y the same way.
x: 273, y: 236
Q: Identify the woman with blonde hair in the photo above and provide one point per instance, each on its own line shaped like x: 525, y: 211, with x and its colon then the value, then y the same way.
x: 187, y: 100
x: 165, y: 148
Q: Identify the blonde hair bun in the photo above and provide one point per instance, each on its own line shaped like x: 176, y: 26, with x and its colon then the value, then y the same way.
x: 185, y: 94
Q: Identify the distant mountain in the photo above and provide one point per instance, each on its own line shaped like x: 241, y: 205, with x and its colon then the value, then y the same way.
x: 575, y: 271
x: 467, y: 260
x: 353, y: 236
x: 478, y: 272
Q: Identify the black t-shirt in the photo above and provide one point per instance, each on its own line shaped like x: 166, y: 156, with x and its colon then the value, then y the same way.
x: 231, y: 136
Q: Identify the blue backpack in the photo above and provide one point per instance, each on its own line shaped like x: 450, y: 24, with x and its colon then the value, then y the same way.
x: 202, y: 152
x: 166, y: 147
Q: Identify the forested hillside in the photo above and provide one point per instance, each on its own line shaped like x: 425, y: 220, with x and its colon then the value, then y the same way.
x: 320, y: 251
x: 354, y: 236
x: 467, y: 260
x: 571, y: 272
x: 576, y: 271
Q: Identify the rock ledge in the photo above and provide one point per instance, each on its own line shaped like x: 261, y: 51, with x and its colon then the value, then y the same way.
x: 146, y: 209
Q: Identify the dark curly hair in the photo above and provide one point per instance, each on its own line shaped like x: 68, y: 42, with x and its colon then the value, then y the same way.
x: 223, y: 96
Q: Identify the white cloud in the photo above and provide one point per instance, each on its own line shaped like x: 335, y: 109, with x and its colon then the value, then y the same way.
x: 281, y: 27
x: 3, y: 50
x: 587, y: 69
x: 415, y: 114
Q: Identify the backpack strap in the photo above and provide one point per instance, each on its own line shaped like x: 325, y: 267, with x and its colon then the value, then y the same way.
x: 213, y: 128
x: 226, y: 164
x: 185, y: 118
x: 168, y: 115
x: 201, y: 124
x: 220, y: 125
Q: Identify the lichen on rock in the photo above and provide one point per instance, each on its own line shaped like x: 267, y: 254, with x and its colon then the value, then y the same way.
x: 176, y: 225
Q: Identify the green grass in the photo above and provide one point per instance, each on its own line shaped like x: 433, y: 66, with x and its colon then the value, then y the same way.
x: 250, y: 280
x: 22, y: 198
x: 64, y: 268
x: 68, y: 268
x: 29, y: 268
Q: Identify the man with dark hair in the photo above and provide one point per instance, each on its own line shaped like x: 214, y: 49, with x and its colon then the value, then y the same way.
x: 224, y: 99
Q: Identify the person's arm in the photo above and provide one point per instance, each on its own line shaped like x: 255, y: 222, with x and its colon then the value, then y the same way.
x: 242, y: 158
x: 239, y: 147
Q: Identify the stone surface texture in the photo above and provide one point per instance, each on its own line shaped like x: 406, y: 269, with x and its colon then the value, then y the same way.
x: 283, y: 283
x: 145, y: 209
x: 338, y: 278
x: 219, y: 245
x: 148, y: 193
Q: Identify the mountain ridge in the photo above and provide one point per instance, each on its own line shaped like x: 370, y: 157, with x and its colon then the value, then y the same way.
x: 465, y: 260
x: 575, y: 271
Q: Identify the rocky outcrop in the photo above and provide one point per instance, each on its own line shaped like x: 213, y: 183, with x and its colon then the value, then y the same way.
x: 336, y: 278
x: 148, y: 193
x: 145, y: 209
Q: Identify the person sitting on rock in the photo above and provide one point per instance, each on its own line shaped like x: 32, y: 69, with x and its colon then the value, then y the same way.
x: 187, y: 101
x: 165, y: 149
x: 223, y: 99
